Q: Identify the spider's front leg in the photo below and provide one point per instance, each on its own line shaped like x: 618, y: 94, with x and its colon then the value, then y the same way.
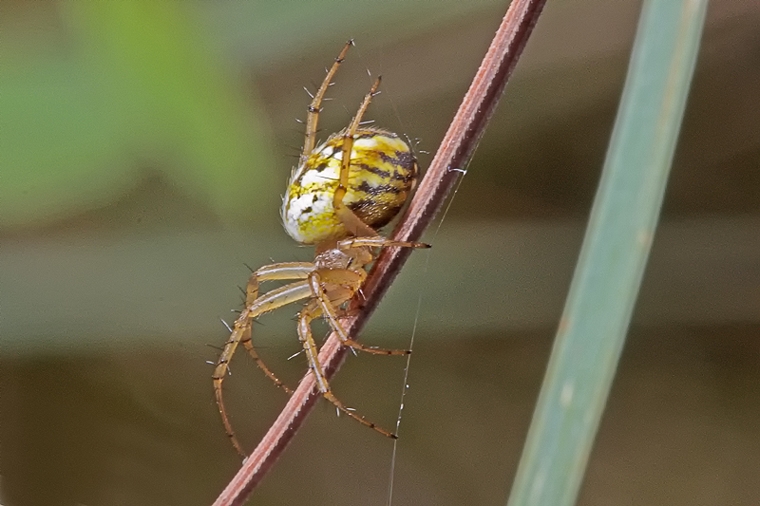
x: 312, y: 116
x: 378, y: 242
x: 351, y: 221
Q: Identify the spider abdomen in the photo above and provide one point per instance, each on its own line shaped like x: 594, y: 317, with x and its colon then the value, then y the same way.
x: 381, y: 176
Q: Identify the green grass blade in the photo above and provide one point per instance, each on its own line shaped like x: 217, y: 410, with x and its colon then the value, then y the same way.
x: 614, y: 253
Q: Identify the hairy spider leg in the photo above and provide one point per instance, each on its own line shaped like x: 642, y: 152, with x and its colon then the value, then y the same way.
x: 311, y: 311
x: 338, y: 296
x: 347, y: 282
x: 378, y: 242
x: 331, y: 288
x: 273, y: 272
x: 312, y: 115
x: 352, y: 222
x: 241, y: 330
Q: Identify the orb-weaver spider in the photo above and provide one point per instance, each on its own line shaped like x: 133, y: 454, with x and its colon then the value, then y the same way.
x: 341, y: 193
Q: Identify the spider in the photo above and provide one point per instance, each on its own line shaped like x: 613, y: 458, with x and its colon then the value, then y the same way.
x: 340, y: 194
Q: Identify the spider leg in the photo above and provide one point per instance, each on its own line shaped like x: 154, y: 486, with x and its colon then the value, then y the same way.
x: 278, y: 271
x: 377, y: 242
x: 312, y: 116
x: 352, y: 222
x: 241, y: 329
x: 328, y: 301
x: 245, y: 340
x: 311, y: 311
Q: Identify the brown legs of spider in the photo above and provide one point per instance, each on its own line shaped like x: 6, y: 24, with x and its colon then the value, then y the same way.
x: 313, y: 284
x: 241, y: 329
x: 311, y: 311
x: 312, y: 116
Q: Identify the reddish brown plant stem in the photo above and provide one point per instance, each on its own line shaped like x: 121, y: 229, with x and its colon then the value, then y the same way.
x: 453, y: 155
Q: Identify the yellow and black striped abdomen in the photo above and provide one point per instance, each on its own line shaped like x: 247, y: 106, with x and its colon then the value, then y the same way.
x: 382, y: 174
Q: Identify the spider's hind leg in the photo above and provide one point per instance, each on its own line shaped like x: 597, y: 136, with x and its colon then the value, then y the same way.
x: 248, y: 345
x: 241, y: 329
x: 284, y: 271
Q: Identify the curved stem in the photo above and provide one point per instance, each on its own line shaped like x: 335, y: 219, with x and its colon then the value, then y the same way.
x: 452, y: 157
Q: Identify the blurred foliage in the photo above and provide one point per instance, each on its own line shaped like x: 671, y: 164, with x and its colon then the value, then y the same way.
x: 116, y: 90
x: 614, y: 255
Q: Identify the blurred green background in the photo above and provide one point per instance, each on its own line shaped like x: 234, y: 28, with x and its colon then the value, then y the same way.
x: 144, y: 147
